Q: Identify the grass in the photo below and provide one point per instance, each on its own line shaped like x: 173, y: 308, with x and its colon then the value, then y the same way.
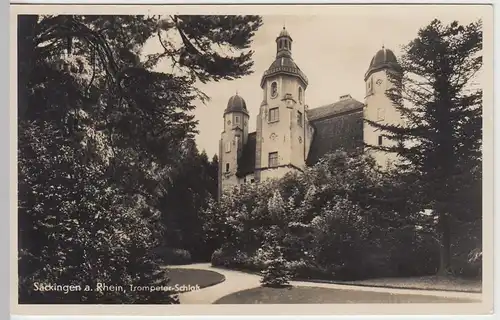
x: 193, y: 277
x: 435, y: 282
x: 307, y: 295
x: 441, y: 283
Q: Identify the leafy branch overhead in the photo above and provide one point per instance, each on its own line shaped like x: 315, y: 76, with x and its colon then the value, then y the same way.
x: 207, y: 43
x: 100, y: 126
x: 109, y: 46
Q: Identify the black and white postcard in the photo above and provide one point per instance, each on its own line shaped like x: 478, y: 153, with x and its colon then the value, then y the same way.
x: 252, y: 159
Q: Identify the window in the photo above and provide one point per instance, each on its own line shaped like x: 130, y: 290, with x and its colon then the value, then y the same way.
x: 300, y: 94
x: 244, y: 180
x: 227, y: 167
x: 252, y: 180
x: 274, y: 115
x: 237, y: 141
x: 273, y: 159
x: 237, y: 120
x: 228, y: 146
x: 274, y: 90
x: 369, y: 86
x: 380, y: 114
x: 380, y: 140
x: 299, y: 118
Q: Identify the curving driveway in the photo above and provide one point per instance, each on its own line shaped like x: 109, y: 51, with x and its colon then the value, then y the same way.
x: 237, y: 281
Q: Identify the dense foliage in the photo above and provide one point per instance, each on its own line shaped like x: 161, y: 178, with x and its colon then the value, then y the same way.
x: 100, y: 126
x: 440, y: 143
x: 340, y: 219
x: 193, y: 185
x: 274, y: 272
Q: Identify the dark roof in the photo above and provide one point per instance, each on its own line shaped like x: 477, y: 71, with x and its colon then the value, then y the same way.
x: 341, y: 131
x: 337, y: 125
x: 236, y: 104
x: 284, y: 65
x: 246, y: 163
x: 286, y: 62
x: 383, y: 59
x: 341, y: 106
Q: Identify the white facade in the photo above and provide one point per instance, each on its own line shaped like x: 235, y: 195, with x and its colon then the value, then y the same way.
x: 284, y: 134
x: 379, y: 108
x: 283, y: 125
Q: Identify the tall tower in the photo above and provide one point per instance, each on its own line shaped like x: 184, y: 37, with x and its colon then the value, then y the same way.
x: 281, y: 123
x: 233, y: 138
x: 379, y: 107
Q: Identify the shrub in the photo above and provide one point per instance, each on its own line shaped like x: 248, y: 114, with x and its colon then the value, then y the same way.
x: 276, y: 272
x: 233, y: 258
x: 340, y: 220
x: 172, y: 256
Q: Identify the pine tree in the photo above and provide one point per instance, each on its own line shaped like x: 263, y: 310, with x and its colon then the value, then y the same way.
x: 275, y: 273
x: 440, y: 143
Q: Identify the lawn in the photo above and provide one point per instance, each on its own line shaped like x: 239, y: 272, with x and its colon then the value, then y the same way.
x: 303, y: 295
x: 424, y: 283
x: 193, y: 277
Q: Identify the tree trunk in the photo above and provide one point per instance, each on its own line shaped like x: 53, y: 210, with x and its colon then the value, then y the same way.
x: 445, y: 244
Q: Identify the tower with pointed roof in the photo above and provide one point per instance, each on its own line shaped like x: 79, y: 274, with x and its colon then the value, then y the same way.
x: 290, y: 136
x: 283, y: 133
x: 233, y: 137
x: 378, y: 106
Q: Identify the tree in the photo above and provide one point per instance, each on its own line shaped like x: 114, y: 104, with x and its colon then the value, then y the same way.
x: 188, y: 194
x: 339, y: 219
x: 275, y: 272
x: 440, y: 144
x: 100, y: 127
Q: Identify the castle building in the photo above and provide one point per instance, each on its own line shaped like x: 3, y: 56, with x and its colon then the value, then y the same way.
x: 290, y: 136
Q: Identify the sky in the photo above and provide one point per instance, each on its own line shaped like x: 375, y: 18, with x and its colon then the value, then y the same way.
x: 333, y: 49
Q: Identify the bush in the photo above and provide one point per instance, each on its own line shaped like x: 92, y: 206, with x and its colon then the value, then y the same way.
x: 172, y: 256
x: 339, y: 220
x: 275, y: 272
x: 234, y: 259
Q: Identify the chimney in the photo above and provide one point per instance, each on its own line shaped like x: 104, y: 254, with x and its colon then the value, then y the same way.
x: 345, y: 97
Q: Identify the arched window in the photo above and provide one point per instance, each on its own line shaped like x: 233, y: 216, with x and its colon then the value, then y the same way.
x: 274, y: 89
x: 300, y: 94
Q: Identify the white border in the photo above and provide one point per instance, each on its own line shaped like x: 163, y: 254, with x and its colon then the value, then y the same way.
x: 5, y: 139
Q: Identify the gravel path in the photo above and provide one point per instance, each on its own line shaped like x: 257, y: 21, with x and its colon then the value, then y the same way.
x: 237, y: 281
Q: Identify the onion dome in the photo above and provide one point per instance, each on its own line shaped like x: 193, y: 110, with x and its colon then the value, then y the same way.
x: 284, y: 63
x: 236, y: 104
x: 383, y: 59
